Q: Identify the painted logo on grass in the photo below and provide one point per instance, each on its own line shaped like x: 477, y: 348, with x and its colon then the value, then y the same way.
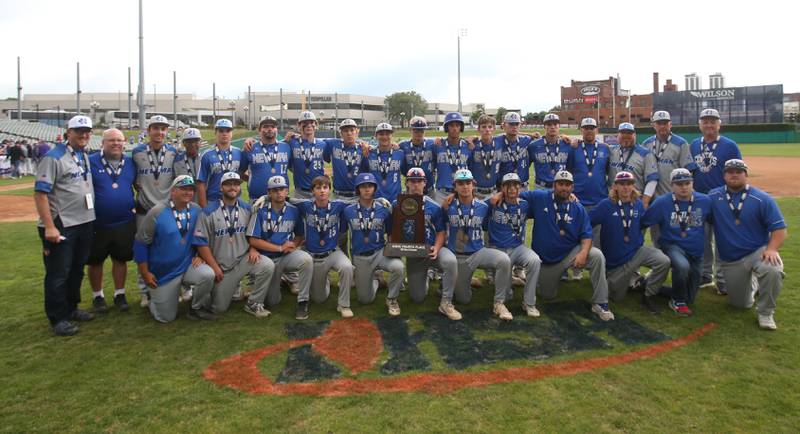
x: 360, y: 355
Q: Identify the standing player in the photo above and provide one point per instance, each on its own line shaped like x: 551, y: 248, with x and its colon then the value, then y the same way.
x: 515, y: 157
x: 563, y: 238
x: 216, y: 162
x: 276, y: 231
x: 710, y: 152
x: 188, y: 162
x: 306, y: 159
x: 64, y: 199
x: 220, y: 240
x: 451, y: 154
x: 113, y: 176
x: 385, y: 163
x: 749, y: 229
x: 550, y: 154
x: 345, y: 157
x: 630, y: 157
x: 154, y: 167
x: 486, y: 155
x: 369, y: 223
x: 266, y: 158
x: 622, y: 243
x: 419, y: 152
x: 589, y: 163
x: 680, y: 217
x: 165, y: 256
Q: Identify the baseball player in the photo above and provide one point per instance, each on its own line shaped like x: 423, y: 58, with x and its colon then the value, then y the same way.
x: 467, y: 218
x: 307, y: 162
x: 680, y: 217
x: 633, y: 158
x: 113, y: 177
x: 589, y: 164
x: 485, y: 162
x: 266, y: 158
x: 216, y: 162
x: 419, y: 152
x: 749, y: 230
x: 622, y: 243
x: 166, y: 258
x: 563, y: 238
x: 515, y: 157
x: 451, y: 155
x: 438, y: 256
x: 385, y: 163
x: 64, y: 199
x: 188, y: 162
x: 369, y: 221
x: 710, y: 152
x: 550, y: 154
x: 322, y: 226
x: 276, y: 230
x: 507, y: 224
x: 220, y: 240
x: 345, y: 156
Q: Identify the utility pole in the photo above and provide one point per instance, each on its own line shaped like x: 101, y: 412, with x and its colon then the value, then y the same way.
x: 78, y: 93
x: 142, y: 109
x: 19, y: 93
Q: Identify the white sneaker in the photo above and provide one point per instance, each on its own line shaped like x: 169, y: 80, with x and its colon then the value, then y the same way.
x: 256, y: 309
x: 603, y: 312
x: 186, y: 295
x: 577, y: 274
x: 447, y: 309
x: 394, y: 307
x: 345, y: 311
x: 767, y: 322
x: 502, y: 312
x: 145, y: 302
x: 517, y: 281
x: 531, y: 311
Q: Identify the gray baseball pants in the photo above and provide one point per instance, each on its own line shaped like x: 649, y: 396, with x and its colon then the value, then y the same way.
x: 417, y: 273
x: 749, y: 274
x: 619, y: 278
x: 550, y: 275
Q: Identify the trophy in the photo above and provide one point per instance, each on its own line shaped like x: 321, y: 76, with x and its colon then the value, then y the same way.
x: 408, y: 228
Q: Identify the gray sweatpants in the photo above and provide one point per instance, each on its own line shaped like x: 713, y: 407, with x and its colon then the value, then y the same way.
x: 365, y: 267
x: 220, y: 298
x: 164, y: 298
x: 741, y: 287
x: 550, y: 275
x: 320, y: 285
x: 522, y: 256
x: 619, y: 278
x: 711, y: 265
x: 483, y: 258
x: 298, y: 261
x: 417, y: 272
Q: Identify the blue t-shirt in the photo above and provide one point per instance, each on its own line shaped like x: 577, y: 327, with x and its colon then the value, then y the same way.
x: 368, y: 227
x: 549, y: 158
x: 386, y: 168
x: 485, y: 162
x: 548, y: 243
x: 216, y: 163
x: 264, y: 162
x: 507, y: 224
x: 662, y: 213
x: 346, y: 163
x: 307, y: 161
x: 613, y: 221
x: 113, y: 206
x: 450, y: 158
x: 516, y: 156
x: 465, y: 228
x: 419, y: 156
x: 322, y: 225
x: 590, y: 190
x: 710, y: 159
x: 276, y: 227
x: 168, y: 252
x: 759, y: 216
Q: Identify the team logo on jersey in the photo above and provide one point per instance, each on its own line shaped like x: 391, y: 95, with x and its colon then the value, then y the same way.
x: 385, y: 354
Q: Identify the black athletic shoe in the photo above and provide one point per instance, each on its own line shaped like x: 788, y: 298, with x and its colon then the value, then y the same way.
x: 302, y: 310
x: 99, y: 305
x: 721, y: 289
x: 639, y: 285
x: 121, y: 303
x: 81, y: 315
x: 649, y: 305
x: 201, y: 314
x: 65, y: 328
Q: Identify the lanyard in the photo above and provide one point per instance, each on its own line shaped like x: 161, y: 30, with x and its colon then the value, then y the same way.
x: 273, y: 226
x: 464, y: 222
x: 514, y: 220
x: 626, y: 220
x: 487, y: 161
x: 225, y: 167
x: 683, y: 216
x: 155, y: 169
x: 322, y: 225
x: 366, y: 224
x: 190, y: 165
x: 561, y: 219
x: 589, y: 162
x: 114, y: 173
x: 181, y: 219
x: 737, y: 211
x: 707, y: 152
x: 383, y: 165
x: 271, y: 157
x: 660, y: 147
x: 231, y: 225
x: 623, y: 158
x: 307, y: 154
x: 513, y: 151
x: 454, y: 159
x: 80, y: 162
x: 417, y: 157
x: 350, y: 158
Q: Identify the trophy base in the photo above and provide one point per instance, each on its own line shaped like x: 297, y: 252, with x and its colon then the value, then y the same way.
x: 411, y: 250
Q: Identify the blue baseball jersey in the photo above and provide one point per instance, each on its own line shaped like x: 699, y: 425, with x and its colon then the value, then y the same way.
x: 507, y: 224
x: 465, y: 227
x: 322, y: 225
x: 368, y: 227
x: 113, y: 206
x: 450, y: 158
x: 264, y: 162
x: 306, y: 161
x: 345, y: 161
x: 386, y: 165
x: 547, y: 242
x: 759, y: 216
x: 276, y: 227
x: 590, y: 158
x: 167, y: 250
x: 434, y: 219
x: 613, y: 218
x: 662, y: 213
x: 214, y: 164
x: 485, y: 162
x: 420, y: 155
x: 516, y: 156
x: 549, y: 158
x: 710, y: 159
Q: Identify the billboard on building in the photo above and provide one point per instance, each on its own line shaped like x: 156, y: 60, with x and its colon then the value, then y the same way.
x: 736, y: 105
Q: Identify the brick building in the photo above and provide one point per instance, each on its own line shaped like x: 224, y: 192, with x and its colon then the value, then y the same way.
x: 604, y: 101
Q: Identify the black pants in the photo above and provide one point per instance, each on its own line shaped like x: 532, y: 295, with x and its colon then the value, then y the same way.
x: 63, y: 265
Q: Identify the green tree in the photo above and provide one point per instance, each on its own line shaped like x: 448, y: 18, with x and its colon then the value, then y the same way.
x: 501, y: 113
x: 530, y: 118
x: 480, y: 109
x: 401, y: 106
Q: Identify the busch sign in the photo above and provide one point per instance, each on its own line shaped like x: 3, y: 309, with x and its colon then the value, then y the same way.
x: 590, y: 90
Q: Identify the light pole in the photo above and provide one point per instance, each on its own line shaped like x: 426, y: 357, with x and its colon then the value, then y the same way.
x: 232, y: 105
x: 94, y: 105
x: 402, y: 118
x: 247, y: 116
x: 321, y: 118
x: 461, y: 33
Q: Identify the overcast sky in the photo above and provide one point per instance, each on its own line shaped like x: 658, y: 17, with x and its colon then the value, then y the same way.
x: 515, y: 54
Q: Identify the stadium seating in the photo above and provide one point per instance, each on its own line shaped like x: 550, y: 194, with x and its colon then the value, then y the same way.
x: 35, y: 131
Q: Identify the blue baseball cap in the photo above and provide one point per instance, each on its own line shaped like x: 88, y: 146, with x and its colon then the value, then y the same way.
x: 366, y: 178
x: 223, y: 123
x: 679, y: 175
x: 463, y: 175
x: 626, y: 126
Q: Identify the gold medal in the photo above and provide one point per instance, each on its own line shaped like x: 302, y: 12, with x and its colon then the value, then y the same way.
x: 273, y: 170
x: 627, y: 239
x: 155, y: 182
x: 738, y: 222
x: 230, y: 240
x: 562, y: 232
x: 591, y: 174
x: 308, y: 170
x: 321, y: 242
x: 115, y: 185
